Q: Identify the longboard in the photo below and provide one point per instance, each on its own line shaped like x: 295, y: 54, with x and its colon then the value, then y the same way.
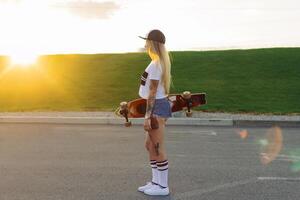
x: 137, y: 108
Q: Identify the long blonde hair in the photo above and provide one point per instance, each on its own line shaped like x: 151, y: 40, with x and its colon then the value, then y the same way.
x: 158, y: 51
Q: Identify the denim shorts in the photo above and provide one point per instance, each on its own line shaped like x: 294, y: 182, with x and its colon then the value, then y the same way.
x: 162, y: 108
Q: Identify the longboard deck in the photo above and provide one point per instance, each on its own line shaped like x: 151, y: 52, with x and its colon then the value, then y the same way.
x: 137, y: 107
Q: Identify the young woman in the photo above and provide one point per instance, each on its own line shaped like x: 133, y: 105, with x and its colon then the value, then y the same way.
x: 155, y: 85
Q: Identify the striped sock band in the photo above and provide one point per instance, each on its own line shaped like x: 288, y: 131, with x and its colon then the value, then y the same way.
x: 154, y: 172
x: 153, y: 164
x: 162, y: 165
x: 163, y: 169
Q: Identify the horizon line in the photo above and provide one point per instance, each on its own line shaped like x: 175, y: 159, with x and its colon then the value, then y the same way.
x: 178, y: 50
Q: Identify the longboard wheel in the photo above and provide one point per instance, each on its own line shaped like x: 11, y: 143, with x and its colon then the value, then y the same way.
x: 186, y: 94
x: 118, y: 112
x: 123, y: 105
x: 189, y: 114
x: 127, y: 124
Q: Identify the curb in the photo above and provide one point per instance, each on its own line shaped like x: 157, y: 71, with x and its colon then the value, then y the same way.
x: 112, y: 121
x: 139, y: 121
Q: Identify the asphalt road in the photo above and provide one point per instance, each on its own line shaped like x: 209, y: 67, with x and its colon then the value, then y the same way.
x: 48, y: 161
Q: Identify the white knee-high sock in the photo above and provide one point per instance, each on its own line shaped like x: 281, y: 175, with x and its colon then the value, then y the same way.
x: 154, y: 172
x: 163, y: 169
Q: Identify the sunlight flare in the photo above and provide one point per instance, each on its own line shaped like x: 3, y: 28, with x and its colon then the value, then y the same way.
x: 23, y: 59
x: 271, y: 145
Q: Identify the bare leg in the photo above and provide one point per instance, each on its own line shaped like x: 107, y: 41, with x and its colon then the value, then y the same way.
x: 150, y: 147
x: 157, y: 141
x: 157, y: 152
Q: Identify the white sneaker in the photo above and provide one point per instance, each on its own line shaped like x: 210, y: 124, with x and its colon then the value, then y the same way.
x: 156, y: 190
x: 145, y: 187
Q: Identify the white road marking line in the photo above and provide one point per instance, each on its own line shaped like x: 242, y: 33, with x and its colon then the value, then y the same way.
x: 215, y: 188
x: 278, y: 179
x: 213, y: 133
x: 196, y: 132
x: 289, y: 156
x: 282, y: 157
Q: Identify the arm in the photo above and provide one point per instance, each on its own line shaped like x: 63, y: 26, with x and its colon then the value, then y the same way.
x: 151, y: 98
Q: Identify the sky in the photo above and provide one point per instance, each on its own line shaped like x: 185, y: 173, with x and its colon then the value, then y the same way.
x: 30, y: 27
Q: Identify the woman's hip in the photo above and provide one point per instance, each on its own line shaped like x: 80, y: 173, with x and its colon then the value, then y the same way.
x: 162, y: 108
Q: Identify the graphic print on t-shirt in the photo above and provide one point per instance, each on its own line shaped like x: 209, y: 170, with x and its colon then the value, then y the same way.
x: 144, y: 78
x: 152, y: 72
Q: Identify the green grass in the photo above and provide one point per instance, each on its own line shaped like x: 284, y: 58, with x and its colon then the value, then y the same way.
x: 256, y: 81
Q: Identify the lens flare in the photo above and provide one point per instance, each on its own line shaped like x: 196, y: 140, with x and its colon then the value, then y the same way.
x: 296, y: 167
x: 295, y: 157
x: 23, y: 59
x: 243, y: 134
x: 271, y: 145
x: 263, y: 142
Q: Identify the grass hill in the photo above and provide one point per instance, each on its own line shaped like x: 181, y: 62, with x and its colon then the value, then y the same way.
x: 256, y: 80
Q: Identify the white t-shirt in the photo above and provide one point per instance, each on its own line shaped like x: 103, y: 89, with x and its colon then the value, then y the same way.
x: 153, y: 72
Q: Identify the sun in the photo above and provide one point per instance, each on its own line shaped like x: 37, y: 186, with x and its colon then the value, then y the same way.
x: 23, y: 59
